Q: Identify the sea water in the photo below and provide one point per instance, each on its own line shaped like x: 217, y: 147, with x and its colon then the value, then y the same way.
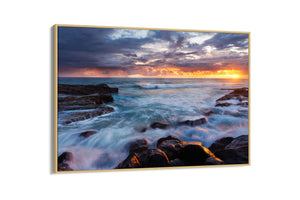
x: 141, y: 102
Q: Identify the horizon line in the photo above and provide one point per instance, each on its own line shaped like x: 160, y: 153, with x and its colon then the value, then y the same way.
x: 152, y: 77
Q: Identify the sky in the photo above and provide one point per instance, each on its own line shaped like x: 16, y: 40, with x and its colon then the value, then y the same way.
x: 108, y: 52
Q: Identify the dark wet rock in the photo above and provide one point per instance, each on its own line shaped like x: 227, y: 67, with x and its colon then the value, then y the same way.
x: 238, y: 142
x: 236, y: 152
x: 196, y: 122
x: 86, y: 134
x: 160, y: 125
x: 170, y: 145
x: 220, y: 144
x: 243, y: 104
x: 177, y: 163
x: 223, y: 104
x: 131, y: 161
x: 237, y: 155
x: 104, y: 98
x: 138, y: 145
x: 66, y: 156
x: 153, y: 158
x: 207, y: 112
x: 238, y: 93
x: 85, y: 89
x: 73, y: 117
x: 63, y: 160
x: 77, y: 103
x: 83, y: 103
x: 213, y: 160
x: 146, y: 158
x: 194, y: 153
x: 93, y: 97
x: 235, y: 114
x: 141, y: 129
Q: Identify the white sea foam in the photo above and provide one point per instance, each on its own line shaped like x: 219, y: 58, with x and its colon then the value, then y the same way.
x: 179, y: 100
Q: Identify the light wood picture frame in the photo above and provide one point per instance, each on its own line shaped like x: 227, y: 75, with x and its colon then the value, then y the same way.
x: 143, y: 98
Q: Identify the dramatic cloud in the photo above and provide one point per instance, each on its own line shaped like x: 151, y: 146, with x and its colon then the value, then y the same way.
x: 107, y: 52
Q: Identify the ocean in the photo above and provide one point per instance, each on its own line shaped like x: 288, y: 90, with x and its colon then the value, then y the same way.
x: 142, y: 101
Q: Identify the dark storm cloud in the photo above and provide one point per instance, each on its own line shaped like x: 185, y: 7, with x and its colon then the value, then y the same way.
x: 105, y: 49
x: 83, y: 47
x: 225, y: 40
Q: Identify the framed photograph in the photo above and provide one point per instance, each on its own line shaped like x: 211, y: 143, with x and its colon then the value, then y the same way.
x: 143, y: 98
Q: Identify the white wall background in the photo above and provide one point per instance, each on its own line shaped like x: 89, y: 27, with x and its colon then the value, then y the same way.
x: 26, y: 66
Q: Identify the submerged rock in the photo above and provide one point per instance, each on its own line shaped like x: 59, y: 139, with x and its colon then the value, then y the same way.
x: 243, y: 104
x: 196, y: 122
x: 207, y: 112
x: 141, y: 129
x: 86, y: 134
x: 223, y: 104
x: 63, y: 160
x: 85, y: 89
x: 160, y: 125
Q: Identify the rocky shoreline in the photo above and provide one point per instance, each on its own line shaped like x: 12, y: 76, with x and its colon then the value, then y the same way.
x: 84, y: 97
x: 169, y: 151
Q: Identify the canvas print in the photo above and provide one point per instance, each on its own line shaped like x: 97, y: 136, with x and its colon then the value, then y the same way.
x: 150, y: 98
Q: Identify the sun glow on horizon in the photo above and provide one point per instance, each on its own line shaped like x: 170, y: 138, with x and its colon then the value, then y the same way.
x: 158, y: 72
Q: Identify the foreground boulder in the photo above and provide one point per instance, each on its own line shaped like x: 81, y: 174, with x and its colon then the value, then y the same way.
x: 153, y: 158
x: 85, y: 89
x: 220, y: 144
x: 170, y: 151
x: 194, y: 153
x: 63, y: 160
x: 237, y: 155
x: 145, y: 158
x: 132, y: 161
x: 170, y: 145
x: 235, y: 152
x: 238, y: 142
x: 141, y: 156
x: 138, y: 145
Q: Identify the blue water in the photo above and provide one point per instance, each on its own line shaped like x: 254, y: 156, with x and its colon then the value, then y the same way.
x: 143, y: 101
